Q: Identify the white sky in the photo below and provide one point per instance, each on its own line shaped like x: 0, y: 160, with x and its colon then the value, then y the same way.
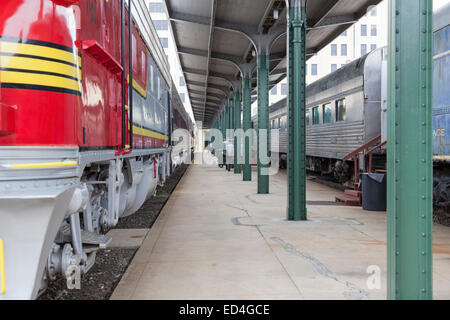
x: 439, y: 3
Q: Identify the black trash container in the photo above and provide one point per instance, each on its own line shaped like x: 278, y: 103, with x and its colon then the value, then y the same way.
x: 374, y: 191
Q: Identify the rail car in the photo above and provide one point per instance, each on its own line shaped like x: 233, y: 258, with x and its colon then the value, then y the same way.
x: 346, y: 115
x: 86, y: 109
x: 182, y: 150
x: 343, y: 112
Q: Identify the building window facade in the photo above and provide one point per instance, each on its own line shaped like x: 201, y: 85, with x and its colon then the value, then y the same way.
x: 334, y: 50
x: 274, y: 91
x: 363, y: 30
x: 363, y: 49
x: 284, y: 88
x: 333, y: 67
x: 343, y: 50
x: 161, y: 24
x: 156, y: 7
x: 164, y: 42
x: 314, y: 69
x: 182, y: 82
x: 373, y: 30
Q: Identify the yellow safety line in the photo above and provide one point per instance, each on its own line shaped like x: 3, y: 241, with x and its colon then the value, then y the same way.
x: 39, y: 50
x: 443, y: 157
x: 138, y: 88
x: 441, y: 54
x: 2, y: 269
x: 32, y: 64
x: 148, y: 133
x: 44, y: 165
x: 39, y: 79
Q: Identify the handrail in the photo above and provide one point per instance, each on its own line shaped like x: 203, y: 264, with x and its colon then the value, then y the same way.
x: 354, y: 155
x: 375, y: 148
x: 370, y: 153
x: 363, y: 147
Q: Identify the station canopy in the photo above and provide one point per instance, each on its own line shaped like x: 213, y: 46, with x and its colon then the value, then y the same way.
x: 214, y: 37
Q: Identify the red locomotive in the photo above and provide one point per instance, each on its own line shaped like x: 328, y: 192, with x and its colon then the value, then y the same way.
x: 76, y: 153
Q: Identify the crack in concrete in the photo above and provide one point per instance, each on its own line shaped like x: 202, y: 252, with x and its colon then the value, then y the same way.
x: 355, y: 293
x: 247, y: 196
x: 237, y: 222
x: 257, y: 227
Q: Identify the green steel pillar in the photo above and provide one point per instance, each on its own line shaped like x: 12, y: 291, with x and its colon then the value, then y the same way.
x: 296, y: 163
x: 230, y: 113
x: 237, y: 125
x: 247, y: 124
x: 228, y: 117
x: 263, y: 119
x: 223, y: 124
x: 410, y: 167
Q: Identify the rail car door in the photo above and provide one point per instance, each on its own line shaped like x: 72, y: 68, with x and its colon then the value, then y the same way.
x: 99, y: 42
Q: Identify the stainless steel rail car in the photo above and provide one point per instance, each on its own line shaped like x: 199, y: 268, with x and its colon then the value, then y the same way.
x: 343, y: 112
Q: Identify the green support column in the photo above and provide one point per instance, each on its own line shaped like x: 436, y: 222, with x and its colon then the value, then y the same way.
x: 231, y: 113
x: 223, y: 124
x: 228, y: 116
x: 263, y: 118
x: 247, y: 124
x: 296, y: 163
x: 410, y: 167
x: 237, y: 125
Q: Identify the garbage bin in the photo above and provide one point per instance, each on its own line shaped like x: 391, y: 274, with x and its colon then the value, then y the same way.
x: 374, y: 191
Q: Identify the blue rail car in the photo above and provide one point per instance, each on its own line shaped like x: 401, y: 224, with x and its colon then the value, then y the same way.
x: 441, y: 85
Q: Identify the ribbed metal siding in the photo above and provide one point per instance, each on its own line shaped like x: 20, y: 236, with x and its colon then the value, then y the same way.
x: 335, y: 140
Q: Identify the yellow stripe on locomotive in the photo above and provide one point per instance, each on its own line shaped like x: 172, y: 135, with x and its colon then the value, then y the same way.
x: 39, y: 66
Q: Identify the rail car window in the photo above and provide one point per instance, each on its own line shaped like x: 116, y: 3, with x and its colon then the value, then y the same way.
x: 326, y: 113
x: 283, y: 122
x: 143, y: 67
x: 159, y: 89
x: 307, y: 117
x: 316, y: 115
x: 135, y: 55
x: 152, y: 78
x: 340, y: 110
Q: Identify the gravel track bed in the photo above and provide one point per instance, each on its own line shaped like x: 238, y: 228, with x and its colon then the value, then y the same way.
x: 99, y: 283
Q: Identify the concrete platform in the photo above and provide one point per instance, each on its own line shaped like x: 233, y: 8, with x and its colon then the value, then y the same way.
x: 127, y: 238
x: 217, y: 239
